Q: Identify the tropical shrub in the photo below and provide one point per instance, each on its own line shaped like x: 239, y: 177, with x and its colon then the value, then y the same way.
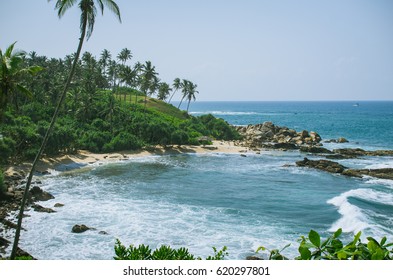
x: 313, y: 247
x: 123, y: 141
x: 144, y: 252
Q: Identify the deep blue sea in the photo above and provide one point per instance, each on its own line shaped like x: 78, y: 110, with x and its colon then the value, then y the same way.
x: 205, y: 200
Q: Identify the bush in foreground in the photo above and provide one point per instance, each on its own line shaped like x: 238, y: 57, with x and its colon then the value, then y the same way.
x: 311, y: 247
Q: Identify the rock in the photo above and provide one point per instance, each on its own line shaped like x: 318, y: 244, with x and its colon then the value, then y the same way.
x: 342, y: 140
x: 243, y: 155
x: 252, y: 258
x: 79, y: 228
x: 325, y: 165
x: 361, y: 152
x: 39, y: 195
x: 287, y: 146
x: 58, y: 205
x: 382, y: 173
x: 40, y: 208
x: 315, y: 150
x: 4, y: 242
x: 338, y: 156
x: 103, y: 232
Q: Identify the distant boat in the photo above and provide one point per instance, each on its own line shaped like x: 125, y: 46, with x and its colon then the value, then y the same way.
x: 356, y: 105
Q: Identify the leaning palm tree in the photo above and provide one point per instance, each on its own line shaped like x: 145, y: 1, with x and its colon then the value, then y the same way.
x: 176, y: 87
x: 184, y: 89
x: 11, y: 69
x: 88, y: 13
x: 191, y: 91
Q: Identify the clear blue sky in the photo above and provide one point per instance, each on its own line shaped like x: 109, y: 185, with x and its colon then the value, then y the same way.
x: 233, y: 50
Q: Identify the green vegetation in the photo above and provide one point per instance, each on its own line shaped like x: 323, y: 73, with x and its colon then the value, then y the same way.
x: 143, y: 252
x: 97, y: 115
x: 313, y: 247
x: 310, y: 248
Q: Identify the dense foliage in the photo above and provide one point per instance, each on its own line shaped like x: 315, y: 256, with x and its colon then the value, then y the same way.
x: 108, y: 108
x: 313, y: 247
x: 144, y: 252
x: 310, y: 248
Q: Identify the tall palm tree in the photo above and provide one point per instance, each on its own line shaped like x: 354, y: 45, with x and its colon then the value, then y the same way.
x: 88, y: 13
x: 191, y: 91
x: 184, y: 87
x: 176, y: 87
x: 11, y: 69
x: 148, y: 79
x: 104, y: 60
x: 124, y: 55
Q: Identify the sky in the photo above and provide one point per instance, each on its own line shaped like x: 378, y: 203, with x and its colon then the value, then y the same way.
x: 262, y: 50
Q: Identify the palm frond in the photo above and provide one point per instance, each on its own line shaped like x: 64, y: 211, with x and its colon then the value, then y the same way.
x: 111, y: 5
x: 63, y: 5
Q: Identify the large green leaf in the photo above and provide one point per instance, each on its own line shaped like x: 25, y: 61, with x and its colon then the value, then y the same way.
x: 314, y: 238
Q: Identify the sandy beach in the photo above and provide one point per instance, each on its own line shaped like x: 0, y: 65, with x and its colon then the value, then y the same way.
x: 83, y: 157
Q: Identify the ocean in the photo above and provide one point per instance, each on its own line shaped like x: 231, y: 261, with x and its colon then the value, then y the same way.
x: 205, y: 200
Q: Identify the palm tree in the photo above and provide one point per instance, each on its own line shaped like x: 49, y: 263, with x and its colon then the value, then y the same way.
x: 104, y: 60
x: 176, y: 86
x: 184, y: 86
x: 88, y: 13
x: 191, y: 91
x: 148, y: 79
x: 128, y: 76
x: 124, y: 55
x: 10, y: 72
x: 163, y: 91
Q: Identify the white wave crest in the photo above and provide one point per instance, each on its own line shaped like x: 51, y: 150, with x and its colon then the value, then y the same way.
x: 353, y: 218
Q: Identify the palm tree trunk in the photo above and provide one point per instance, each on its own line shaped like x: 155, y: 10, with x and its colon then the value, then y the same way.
x: 45, y: 140
x: 178, y: 107
x: 188, y: 105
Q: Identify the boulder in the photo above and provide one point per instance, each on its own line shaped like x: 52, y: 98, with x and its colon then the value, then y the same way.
x: 39, y: 195
x: 342, y: 140
x: 286, y: 146
x: 79, y: 228
x: 315, y: 150
x: 40, y: 208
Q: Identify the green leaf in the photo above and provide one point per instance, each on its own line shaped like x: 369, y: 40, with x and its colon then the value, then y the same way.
x: 261, y: 248
x: 305, y: 253
x: 314, y: 238
x: 341, y: 255
x: 337, y: 233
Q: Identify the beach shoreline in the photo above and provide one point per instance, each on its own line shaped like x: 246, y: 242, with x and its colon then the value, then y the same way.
x: 84, y: 158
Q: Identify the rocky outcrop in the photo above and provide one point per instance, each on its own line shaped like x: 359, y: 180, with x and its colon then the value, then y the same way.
x: 360, y: 152
x: 315, y: 150
x: 322, y: 164
x: 265, y: 134
x: 334, y: 167
x: 339, y: 140
x: 382, y: 173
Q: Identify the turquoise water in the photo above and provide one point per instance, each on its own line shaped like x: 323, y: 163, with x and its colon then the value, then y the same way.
x: 206, y: 200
